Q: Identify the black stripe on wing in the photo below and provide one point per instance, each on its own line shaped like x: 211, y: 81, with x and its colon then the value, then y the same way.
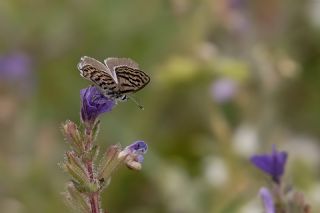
x: 131, y: 80
x: 98, y: 77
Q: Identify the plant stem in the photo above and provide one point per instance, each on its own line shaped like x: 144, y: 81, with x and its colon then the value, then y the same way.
x: 88, y: 138
x: 94, y: 202
x: 94, y: 196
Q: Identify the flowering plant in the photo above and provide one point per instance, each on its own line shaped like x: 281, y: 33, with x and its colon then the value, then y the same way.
x: 89, y: 172
x: 278, y: 198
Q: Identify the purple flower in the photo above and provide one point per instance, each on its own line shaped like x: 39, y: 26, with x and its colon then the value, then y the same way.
x: 133, y: 154
x: 93, y: 104
x: 16, y: 69
x: 223, y: 90
x: 272, y: 164
x: 15, y: 66
x: 139, y: 148
x: 267, y: 200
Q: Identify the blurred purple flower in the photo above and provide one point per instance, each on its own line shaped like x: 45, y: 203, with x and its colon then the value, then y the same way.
x: 93, y: 104
x: 223, y: 90
x: 267, y: 200
x: 15, y: 66
x: 237, y: 4
x: 16, y: 69
x: 272, y: 164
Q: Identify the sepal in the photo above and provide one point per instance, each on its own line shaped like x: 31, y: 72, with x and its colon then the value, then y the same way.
x: 76, y: 200
x: 73, y: 136
x: 109, y: 162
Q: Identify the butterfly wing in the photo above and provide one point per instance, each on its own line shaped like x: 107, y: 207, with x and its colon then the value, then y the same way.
x: 117, y: 78
x: 98, y: 73
x: 130, y: 79
x: 113, y: 62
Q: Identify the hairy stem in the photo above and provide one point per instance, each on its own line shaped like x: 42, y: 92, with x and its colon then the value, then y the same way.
x: 88, y: 138
x: 93, y: 197
x: 94, y: 202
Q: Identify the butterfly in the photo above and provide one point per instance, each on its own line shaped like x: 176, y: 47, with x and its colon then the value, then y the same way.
x: 117, y: 78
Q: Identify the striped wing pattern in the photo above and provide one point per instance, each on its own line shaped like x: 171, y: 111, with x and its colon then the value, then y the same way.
x: 123, y: 78
x: 130, y: 79
x: 102, y: 79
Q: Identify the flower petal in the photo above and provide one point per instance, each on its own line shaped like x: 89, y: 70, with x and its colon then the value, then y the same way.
x: 138, y: 147
x: 93, y: 104
x: 272, y: 164
x: 263, y: 162
x: 267, y: 200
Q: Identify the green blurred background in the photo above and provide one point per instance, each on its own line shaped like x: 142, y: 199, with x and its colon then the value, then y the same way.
x: 229, y: 78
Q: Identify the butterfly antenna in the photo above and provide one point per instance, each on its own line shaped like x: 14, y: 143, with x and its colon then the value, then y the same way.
x: 135, y: 101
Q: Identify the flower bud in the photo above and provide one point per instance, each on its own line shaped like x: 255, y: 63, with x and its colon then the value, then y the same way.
x: 72, y: 135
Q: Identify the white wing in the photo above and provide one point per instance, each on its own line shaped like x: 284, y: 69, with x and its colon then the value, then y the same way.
x: 112, y: 63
